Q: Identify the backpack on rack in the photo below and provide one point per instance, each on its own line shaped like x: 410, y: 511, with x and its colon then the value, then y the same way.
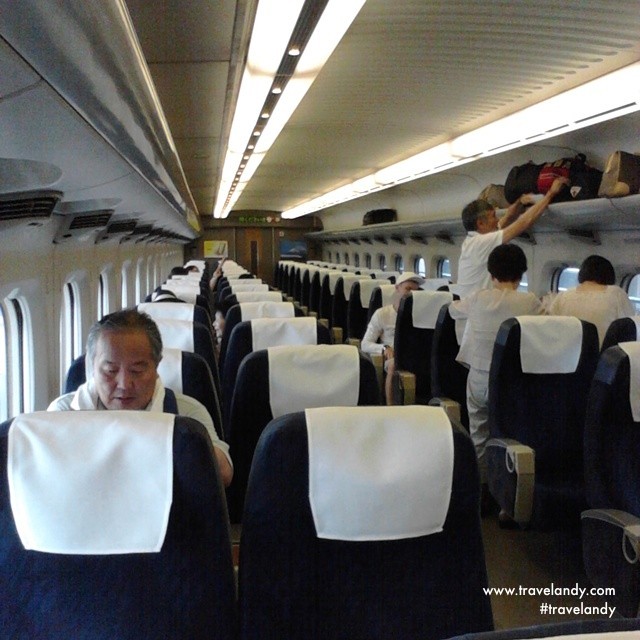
x: 621, y: 175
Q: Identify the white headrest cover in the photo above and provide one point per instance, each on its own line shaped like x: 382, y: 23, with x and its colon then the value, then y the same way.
x: 182, y: 291
x: 170, y: 369
x: 347, y: 282
x: 253, y: 310
x: 432, y: 284
x: 379, y: 473
x: 258, y: 296
x: 234, y: 281
x: 333, y: 280
x: 550, y: 344
x: 169, y: 310
x: 313, y: 376
x: 274, y: 332
x: 91, y: 482
x: 237, y: 288
x: 387, y: 291
x: 632, y: 349
x: 366, y: 289
x: 426, y: 307
x: 176, y: 334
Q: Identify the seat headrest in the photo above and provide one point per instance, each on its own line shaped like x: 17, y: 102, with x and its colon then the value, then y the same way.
x: 234, y: 281
x: 333, y: 280
x: 254, y: 310
x: 433, y: 284
x: 366, y: 289
x: 347, y: 282
x: 274, y: 332
x: 247, y: 285
x: 113, y: 485
x: 312, y: 376
x: 387, y: 291
x: 258, y: 296
x: 176, y: 334
x: 426, y: 307
x: 632, y: 349
x: 170, y: 369
x: 182, y: 291
x: 169, y: 310
x: 550, y: 344
x: 379, y: 473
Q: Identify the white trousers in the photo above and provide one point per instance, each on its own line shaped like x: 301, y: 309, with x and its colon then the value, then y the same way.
x: 478, y: 407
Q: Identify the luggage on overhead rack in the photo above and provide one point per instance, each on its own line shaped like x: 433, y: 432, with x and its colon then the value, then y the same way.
x: 621, y: 175
x: 378, y: 216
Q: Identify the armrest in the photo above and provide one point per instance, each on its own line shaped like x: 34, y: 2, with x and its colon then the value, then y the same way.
x: 404, y: 387
x: 519, y: 459
x: 337, y: 335
x: 354, y: 342
x: 451, y: 407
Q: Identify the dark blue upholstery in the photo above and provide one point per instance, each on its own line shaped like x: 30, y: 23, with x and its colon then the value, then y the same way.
x: 294, y: 585
x: 545, y: 412
x: 250, y: 412
x: 197, y: 382
x: 612, y: 461
x: 325, y: 303
x: 583, y: 628
x: 620, y: 330
x: 232, y: 317
x: 184, y: 591
x: 357, y: 315
x: 448, y: 377
x: 339, y: 306
x: 240, y: 345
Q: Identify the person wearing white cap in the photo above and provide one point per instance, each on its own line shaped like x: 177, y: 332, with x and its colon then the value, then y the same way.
x: 378, y: 337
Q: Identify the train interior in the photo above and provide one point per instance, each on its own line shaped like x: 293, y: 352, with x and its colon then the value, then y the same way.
x: 118, y: 134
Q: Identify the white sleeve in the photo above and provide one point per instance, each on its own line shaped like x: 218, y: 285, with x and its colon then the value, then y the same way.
x: 374, y: 330
x: 191, y: 408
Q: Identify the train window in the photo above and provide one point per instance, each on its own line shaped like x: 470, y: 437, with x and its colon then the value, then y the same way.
x: 19, y: 344
x: 70, y: 327
x: 103, y: 295
x: 444, y: 268
x: 566, y: 278
x: 367, y: 260
x: 632, y: 284
x: 419, y: 266
x: 329, y: 257
x: 356, y: 259
x: 398, y: 263
x: 346, y: 258
x: 140, y: 285
x: 4, y: 390
x: 524, y: 283
x: 382, y: 262
x: 126, y: 291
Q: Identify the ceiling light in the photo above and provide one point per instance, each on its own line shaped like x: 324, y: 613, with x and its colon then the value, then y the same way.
x: 294, y: 51
x: 610, y: 96
x: 265, y: 115
x: 276, y: 90
x: 270, y: 22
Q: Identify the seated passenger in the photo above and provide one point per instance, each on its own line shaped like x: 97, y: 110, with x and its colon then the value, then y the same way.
x: 380, y: 333
x: 485, y: 310
x: 596, y: 299
x: 123, y: 353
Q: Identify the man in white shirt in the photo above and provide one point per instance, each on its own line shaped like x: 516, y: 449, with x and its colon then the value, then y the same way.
x: 380, y: 333
x: 485, y: 232
x: 123, y: 352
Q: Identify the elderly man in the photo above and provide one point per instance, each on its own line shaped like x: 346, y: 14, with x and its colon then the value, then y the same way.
x: 379, y: 336
x: 123, y: 353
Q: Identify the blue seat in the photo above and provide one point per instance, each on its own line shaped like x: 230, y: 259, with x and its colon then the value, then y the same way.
x: 301, y: 582
x: 358, y: 308
x: 611, y: 525
x: 536, y: 421
x: 183, y: 589
x: 252, y: 409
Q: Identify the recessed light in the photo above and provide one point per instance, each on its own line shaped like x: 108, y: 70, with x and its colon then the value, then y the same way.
x: 265, y: 115
x: 294, y: 51
x: 276, y: 90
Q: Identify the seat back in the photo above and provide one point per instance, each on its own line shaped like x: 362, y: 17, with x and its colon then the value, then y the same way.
x: 621, y: 330
x: 415, y: 326
x: 185, y: 588
x: 248, y: 311
x: 306, y: 374
x: 448, y: 377
x: 341, y: 300
x: 358, y: 307
x: 302, y: 577
x: 381, y: 295
x: 178, y: 311
x: 545, y: 411
x: 280, y: 331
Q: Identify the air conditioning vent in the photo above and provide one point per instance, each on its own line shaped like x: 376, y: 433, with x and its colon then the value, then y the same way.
x: 20, y: 206
x: 82, y: 226
x: 92, y: 220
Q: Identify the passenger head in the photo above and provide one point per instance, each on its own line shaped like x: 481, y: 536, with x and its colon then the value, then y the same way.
x: 123, y: 352
x: 507, y: 263
x: 596, y: 269
x: 179, y: 271
x: 480, y: 216
x: 405, y: 284
x: 192, y: 269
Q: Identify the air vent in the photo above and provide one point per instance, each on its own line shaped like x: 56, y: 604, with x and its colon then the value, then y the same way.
x: 117, y: 231
x: 21, y: 206
x: 82, y: 226
x: 93, y: 220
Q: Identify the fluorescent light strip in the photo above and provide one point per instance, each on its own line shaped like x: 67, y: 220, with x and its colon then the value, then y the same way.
x: 608, y: 97
x: 334, y: 21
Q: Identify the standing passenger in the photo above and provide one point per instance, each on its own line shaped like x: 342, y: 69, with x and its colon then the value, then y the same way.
x: 596, y: 298
x: 485, y: 232
x: 123, y: 353
x: 485, y: 311
x: 380, y: 333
